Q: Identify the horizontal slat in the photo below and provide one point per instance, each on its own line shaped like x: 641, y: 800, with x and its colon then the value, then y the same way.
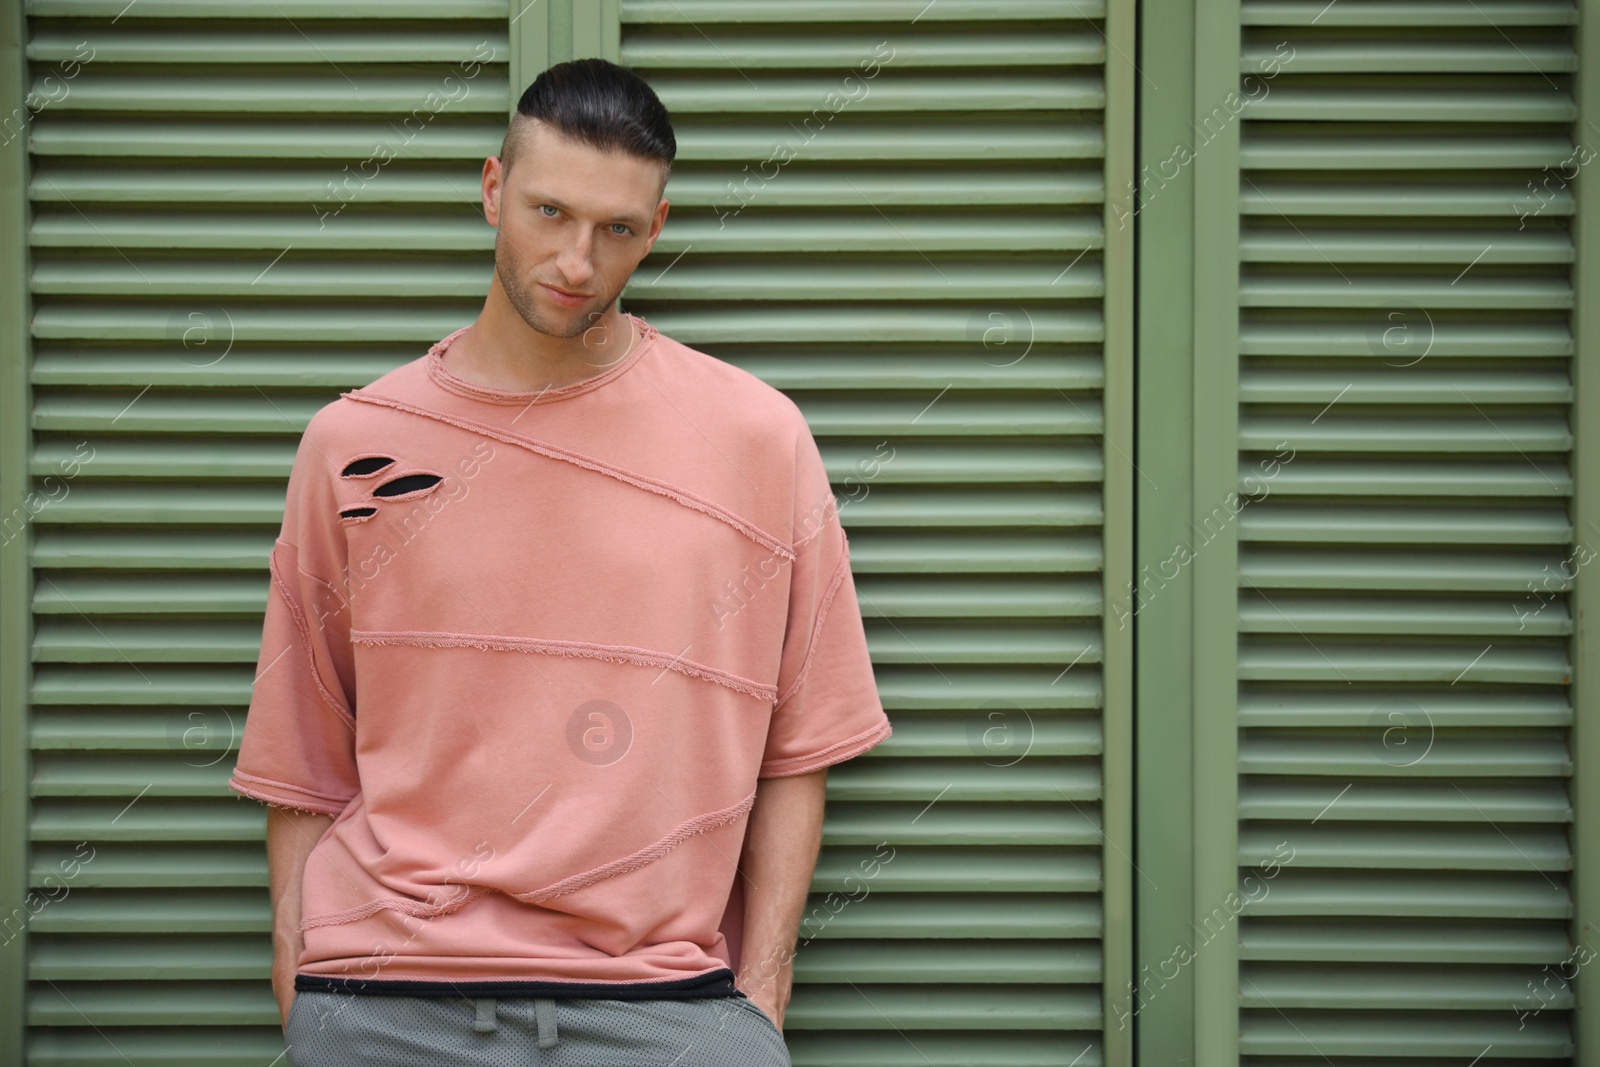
x: 204, y: 45
x: 1356, y: 988
x: 924, y: 916
x: 1393, y: 477
x: 1347, y: 661
x: 1430, y: 153
x: 1011, y: 776
x: 1439, y: 846
x: 1452, y: 616
x: 951, y: 820
x: 1481, y: 289
x: 1403, y: 802
x: 309, y: 92
x: 755, y: 53
x: 1403, y: 1034
x: 1412, y: 941
x: 1460, y: 245
x: 1441, y: 14
x: 389, y: 11
x: 1527, y: 385
x: 1400, y: 525
x: 1423, y: 55
x: 1394, y: 570
x: 988, y: 870
x: 1401, y: 335
x: 1414, y: 710
x: 1413, y: 100
x: 729, y: 93
x: 1000, y: 1010
x: 886, y: 551
x: 96, y: 912
x: 1401, y: 742
x: 833, y: 12
x: 982, y: 963
x: 1021, y: 597
x: 1474, y: 895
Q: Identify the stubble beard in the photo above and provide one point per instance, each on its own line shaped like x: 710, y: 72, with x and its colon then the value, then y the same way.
x: 523, y: 296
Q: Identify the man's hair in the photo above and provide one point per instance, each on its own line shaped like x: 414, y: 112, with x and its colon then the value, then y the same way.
x: 599, y: 103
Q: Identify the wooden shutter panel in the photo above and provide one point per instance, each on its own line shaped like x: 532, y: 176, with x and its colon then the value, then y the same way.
x: 218, y: 249
x: 1403, y: 696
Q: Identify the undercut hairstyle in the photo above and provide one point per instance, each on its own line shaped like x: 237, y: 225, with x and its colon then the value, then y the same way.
x: 599, y: 103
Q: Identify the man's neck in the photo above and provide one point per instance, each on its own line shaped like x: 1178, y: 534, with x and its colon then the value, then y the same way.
x: 515, y: 357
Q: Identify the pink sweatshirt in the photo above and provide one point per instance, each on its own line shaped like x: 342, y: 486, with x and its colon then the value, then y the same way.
x: 534, y: 650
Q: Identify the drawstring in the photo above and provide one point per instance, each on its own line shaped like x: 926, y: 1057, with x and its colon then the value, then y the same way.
x: 544, y: 1019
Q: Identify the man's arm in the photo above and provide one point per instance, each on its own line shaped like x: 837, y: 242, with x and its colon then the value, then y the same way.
x: 779, y: 858
x: 291, y: 835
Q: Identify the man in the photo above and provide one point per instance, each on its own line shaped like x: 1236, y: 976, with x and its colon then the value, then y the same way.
x: 561, y: 640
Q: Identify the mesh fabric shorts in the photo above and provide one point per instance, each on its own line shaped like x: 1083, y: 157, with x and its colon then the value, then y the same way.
x: 328, y: 1029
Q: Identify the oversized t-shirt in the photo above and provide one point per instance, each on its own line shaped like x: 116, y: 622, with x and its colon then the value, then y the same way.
x: 533, y: 650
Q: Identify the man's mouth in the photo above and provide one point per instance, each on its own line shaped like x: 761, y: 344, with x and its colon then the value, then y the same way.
x: 563, y: 296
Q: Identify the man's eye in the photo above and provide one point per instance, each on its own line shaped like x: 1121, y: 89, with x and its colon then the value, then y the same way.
x: 548, y: 211
x: 621, y: 230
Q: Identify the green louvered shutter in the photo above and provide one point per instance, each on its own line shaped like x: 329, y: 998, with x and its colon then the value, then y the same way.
x: 1403, y: 670
x: 217, y: 252
x: 903, y: 258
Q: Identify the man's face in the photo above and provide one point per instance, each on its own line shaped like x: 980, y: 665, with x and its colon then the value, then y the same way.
x: 572, y: 223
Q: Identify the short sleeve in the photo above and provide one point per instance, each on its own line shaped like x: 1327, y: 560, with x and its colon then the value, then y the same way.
x: 298, y: 749
x: 828, y: 709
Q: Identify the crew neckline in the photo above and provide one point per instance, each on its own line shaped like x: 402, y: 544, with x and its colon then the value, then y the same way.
x: 447, y: 379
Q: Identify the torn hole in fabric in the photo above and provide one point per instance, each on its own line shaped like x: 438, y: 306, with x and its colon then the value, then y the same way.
x: 366, y: 466
x: 357, y: 514
x: 408, y: 484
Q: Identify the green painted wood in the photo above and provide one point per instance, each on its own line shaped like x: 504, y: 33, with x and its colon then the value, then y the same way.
x: 204, y: 199
x: 1400, y: 715
x: 1584, y: 595
x: 20, y: 908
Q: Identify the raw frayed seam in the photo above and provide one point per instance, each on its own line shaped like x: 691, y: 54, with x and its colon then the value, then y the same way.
x: 328, y: 698
x: 271, y: 791
x: 611, y: 653
x: 644, y: 856
x: 414, y: 908
x: 822, y: 614
x: 577, y: 459
x: 837, y: 753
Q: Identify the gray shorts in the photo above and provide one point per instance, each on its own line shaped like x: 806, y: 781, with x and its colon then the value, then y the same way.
x: 336, y: 1029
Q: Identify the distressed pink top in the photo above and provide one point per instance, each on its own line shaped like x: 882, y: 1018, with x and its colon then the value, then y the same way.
x: 533, y: 651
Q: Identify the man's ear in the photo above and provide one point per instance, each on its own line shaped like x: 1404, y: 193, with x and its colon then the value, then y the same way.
x: 656, y: 222
x: 493, y: 181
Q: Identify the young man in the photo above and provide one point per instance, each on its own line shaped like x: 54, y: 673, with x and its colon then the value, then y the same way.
x: 561, y: 639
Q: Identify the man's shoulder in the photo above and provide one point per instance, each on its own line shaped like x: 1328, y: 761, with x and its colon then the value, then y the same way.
x: 739, y: 393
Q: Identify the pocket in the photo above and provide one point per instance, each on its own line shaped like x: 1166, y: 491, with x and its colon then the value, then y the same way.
x: 755, y: 1009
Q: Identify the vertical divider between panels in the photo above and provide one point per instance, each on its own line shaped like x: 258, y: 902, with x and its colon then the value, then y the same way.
x: 546, y: 32
x: 15, y: 535
x: 1216, y: 570
x: 1585, y: 656
x: 1160, y: 208
x: 1117, y: 407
